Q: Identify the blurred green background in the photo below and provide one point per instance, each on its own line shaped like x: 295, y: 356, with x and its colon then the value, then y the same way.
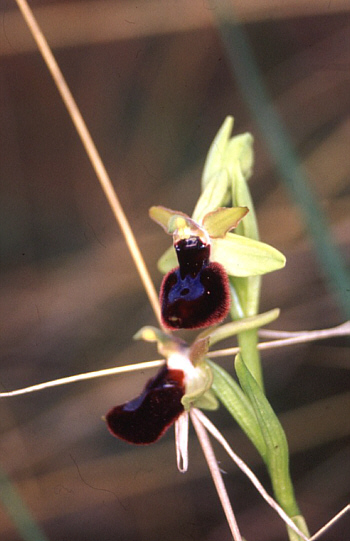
x: 154, y: 81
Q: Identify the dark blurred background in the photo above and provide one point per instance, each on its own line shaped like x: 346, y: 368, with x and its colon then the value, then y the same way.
x: 154, y: 82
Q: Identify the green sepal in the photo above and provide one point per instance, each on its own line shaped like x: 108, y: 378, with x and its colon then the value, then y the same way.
x: 197, y: 386
x: 216, y: 153
x: 277, y: 457
x: 168, y: 260
x: 218, y: 222
x: 213, y: 196
x: 246, y: 257
x: 230, y: 329
x: 238, y: 404
x: 207, y: 401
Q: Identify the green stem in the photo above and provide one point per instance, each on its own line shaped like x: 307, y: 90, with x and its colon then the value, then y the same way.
x: 248, y: 341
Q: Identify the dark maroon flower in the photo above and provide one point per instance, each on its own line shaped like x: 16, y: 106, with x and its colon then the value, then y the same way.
x: 145, y: 418
x: 196, y: 293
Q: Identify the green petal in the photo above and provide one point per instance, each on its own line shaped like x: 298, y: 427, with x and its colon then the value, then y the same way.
x: 162, y: 216
x: 168, y: 260
x: 216, y: 153
x: 199, y: 349
x: 213, y: 195
x: 222, y: 220
x: 246, y: 257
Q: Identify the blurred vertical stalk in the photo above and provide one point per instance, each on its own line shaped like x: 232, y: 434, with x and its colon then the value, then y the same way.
x: 249, y: 79
x: 18, y: 512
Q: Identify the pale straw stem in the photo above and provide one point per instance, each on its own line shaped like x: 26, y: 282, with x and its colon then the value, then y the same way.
x: 83, y: 377
x: 339, y: 330
x: 204, y: 421
x: 296, y: 338
x: 181, y: 442
x: 330, y: 523
x: 303, y: 336
x: 92, y: 153
x: 215, y: 473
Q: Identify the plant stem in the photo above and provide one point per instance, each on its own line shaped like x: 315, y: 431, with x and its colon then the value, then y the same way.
x: 248, y: 342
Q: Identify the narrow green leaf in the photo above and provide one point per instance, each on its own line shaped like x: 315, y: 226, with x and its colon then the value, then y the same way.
x: 230, y: 329
x: 239, y: 151
x: 277, y: 457
x: 216, y: 153
x: 237, y: 403
x: 222, y: 220
x: 213, y: 196
x: 246, y: 257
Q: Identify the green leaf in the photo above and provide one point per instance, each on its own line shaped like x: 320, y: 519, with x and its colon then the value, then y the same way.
x: 230, y: 329
x: 213, y: 196
x: 277, y: 457
x: 216, y: 153
x: 222, y: 220
x: 168, y: 260
x: 237, y: 403
x: 246, y: 257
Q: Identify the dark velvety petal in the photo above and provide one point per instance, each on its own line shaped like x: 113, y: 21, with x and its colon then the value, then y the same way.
x: 145, y: 418
x: 195, y: 302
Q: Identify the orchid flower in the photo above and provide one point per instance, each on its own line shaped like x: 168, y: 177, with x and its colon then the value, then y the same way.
x: 188, y: 378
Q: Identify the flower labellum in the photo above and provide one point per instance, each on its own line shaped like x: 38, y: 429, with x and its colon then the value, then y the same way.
x: 196, y: 293
x: 144, y: 419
